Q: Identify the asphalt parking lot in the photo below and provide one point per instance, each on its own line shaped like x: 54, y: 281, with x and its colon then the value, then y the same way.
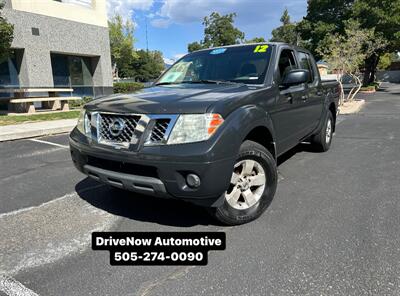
x: 333, y: 227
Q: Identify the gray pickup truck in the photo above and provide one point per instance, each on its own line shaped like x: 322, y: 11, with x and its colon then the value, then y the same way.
x: 210, y: 129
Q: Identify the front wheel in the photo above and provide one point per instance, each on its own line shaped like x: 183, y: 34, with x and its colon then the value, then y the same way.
x: 252, y: 186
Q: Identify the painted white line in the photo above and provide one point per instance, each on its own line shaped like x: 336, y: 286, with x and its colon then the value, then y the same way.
x: 49, y: 143
x: 50, y: 202
x: 40, y: 235
x: 12, y: 287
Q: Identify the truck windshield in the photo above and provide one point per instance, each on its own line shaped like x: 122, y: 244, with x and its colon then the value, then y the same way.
x: 242, y: 64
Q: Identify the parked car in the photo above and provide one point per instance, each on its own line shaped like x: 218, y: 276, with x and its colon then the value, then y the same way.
x: 210, y: 129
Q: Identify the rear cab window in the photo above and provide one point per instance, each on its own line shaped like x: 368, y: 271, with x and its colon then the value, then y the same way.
x: 306, y: 63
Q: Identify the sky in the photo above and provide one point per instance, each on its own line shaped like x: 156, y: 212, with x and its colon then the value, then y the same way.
x: 172, y: 24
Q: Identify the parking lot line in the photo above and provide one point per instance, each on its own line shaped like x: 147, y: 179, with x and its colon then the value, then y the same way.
x: 12, y: 287
x: 49, y: 143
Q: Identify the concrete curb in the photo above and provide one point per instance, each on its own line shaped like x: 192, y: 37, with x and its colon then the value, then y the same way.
x: 35, y: 129
x: 352, y: 108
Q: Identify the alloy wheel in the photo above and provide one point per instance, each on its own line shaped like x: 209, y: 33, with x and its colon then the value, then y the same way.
x: 247, y: 184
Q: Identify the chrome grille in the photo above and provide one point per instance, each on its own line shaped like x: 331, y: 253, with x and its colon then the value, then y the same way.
x: 106, y: 134
x: 159, y: 130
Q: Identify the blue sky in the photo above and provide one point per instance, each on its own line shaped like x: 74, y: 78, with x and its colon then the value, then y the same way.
x: 172, y: 24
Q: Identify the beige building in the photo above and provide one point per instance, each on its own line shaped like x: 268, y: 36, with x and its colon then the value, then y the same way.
x: 59, y: 43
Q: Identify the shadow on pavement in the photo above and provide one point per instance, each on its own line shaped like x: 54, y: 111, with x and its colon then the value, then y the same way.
x: 303, y: 147
x: 143, y: 208
x: 151, y: 209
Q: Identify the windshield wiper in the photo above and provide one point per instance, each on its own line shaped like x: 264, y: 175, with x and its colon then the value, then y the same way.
x: 166, y: 83
x: 209, y: 81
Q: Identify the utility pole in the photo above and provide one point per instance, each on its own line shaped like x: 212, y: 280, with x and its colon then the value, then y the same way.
x: 147, y: 39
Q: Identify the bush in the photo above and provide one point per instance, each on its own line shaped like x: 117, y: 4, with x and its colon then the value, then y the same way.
x: 127, y: 87
x: 80, y: 103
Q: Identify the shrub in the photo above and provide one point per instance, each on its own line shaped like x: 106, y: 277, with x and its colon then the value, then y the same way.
x: 127, y: 87
x: 80, y: 103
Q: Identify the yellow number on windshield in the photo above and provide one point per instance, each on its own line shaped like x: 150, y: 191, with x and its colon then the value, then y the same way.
x: 261, y: 48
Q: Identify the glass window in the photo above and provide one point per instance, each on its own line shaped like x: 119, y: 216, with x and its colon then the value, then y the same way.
x: 245, y: 64
x: 73, y: 72
x: 305, y: 63
x: 9, y: 72
x: 286, y: 62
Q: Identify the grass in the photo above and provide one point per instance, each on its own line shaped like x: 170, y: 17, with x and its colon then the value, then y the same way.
x: 18, y: 119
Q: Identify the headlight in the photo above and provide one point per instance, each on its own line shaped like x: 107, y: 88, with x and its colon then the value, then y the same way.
x: 191, y: 128
x: 83, y: 124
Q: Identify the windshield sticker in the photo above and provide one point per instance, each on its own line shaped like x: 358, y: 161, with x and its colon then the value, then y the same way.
x: 261, y: 48
x: 218, y: 51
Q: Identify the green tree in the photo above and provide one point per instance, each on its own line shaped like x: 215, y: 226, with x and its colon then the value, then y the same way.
x: 287, y: 32
x: 256, y: 40
x: 346, y: 52
x: 323, y: 17
x: 219, y: 30
x: 195, y: 46
x: 386, y: 60
x: 6, y: 36
x: 121, y: 44
x: 148, y: 65
x: 383, y: 16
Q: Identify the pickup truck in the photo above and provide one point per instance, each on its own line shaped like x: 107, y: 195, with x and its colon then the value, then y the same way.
x: 210, y: 129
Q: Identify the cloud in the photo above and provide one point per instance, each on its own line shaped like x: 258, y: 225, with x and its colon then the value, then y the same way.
x: 126, y: 8
x: 178, y: 56
x: 161, y: 22
x: 252, y: 15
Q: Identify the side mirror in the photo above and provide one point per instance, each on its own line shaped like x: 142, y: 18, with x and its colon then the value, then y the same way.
x: 295, y: 77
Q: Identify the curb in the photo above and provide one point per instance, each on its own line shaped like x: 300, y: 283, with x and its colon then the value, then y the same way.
x: 352, y: 109
x: 23, y: 131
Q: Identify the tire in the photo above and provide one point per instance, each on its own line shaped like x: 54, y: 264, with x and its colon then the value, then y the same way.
x: 322, y: 141
x: 243, y: 202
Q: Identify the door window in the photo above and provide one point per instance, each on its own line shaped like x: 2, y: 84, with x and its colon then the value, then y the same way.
x: 286, y: 62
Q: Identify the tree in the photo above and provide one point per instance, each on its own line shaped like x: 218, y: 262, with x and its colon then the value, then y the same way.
x: 323, y: 17
x: 384, y: 18
x: 386, y: 60
x: 6, y: 36
x: 256, y: 40
x: 219, y: 30
x: 346, y: 52
x: 287, y: 32
x: 148, y: 65
x: 121, y: 44
x: 195, y: 46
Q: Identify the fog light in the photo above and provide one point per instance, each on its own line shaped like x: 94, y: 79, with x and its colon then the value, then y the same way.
x: 193, y: 180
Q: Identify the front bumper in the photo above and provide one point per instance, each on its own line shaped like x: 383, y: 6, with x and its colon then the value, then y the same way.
x: 159, y: 171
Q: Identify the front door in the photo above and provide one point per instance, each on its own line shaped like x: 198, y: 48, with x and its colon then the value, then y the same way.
x: 287, y: 115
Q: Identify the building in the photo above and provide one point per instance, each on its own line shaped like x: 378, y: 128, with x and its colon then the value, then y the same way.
x: 322, y: 68
x: 58, y: 43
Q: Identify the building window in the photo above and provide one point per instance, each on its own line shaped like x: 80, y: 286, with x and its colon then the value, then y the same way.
x: 9, y: 72
x: 74, y: 72
x: 85, y: 3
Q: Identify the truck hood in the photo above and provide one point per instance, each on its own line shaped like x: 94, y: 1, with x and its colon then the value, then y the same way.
x: 171, y: 99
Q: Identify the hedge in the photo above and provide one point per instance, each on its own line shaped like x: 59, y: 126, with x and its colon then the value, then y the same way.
x: 127, y: 87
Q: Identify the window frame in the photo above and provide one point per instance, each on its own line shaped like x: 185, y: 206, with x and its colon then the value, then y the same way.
x: 277, y: 74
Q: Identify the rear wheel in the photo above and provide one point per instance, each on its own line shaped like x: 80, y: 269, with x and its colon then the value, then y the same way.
x: 322, y: 141
x: 252, y: 186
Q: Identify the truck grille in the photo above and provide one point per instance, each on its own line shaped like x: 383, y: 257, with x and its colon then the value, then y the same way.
x: 116, y: 128
x: 159, y: 130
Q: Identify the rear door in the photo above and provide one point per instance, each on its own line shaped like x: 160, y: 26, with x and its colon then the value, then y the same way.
x: 287, y: 115
x: 312, y: 99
